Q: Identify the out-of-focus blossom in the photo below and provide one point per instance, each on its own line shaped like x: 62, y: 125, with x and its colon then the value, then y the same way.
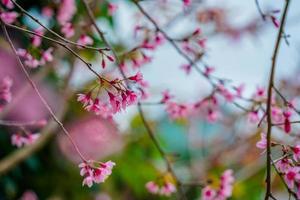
x: 262, y: 143
x: 8, y: 4
x: 29, y: 195
x: 85, y: 40
x: 5, y: 91
x: 68, y: 30
x: 19, y: 140
x: 208, y: 193
x: 112, y: 8
x: 152, y: 187
x: 66, y: 11
x: 9, y: 17
x: 36, y: 40
x: 167, y: 189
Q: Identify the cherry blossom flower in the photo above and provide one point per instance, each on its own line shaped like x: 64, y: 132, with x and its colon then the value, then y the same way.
x: 68, y: 30
x: 20, y: 140
x: 94, y: 172
x: 66, y: 11
x: 138, y: 77
x: 29, y: 195
x: 296, y: 152
x: 47, y: 12
x: 253, y: 117
x: 287, y: 123
x: 262, y: 143
x: 166, y: 96
x: 8, y: 4
x: 167, y: 189
x: 291, y: 176
x: 152, y: 187
x: 85, y: 99
x: 283, y: 164
x: 187, y: 2
x: 208, y: 193
x: 112, y: 8
x: 47, y: 56
x: 5, y: 91
x: 36, y: 40
x: 176, y: 110
x: 186, y: 68
x: 85, y: 40
x: 9, y: 17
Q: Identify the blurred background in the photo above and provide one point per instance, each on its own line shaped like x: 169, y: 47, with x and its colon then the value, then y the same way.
x: 239, y: 46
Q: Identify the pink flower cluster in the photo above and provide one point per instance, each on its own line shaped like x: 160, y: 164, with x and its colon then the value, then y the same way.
x: 5, y: 91
x: 224, y: 191
x: 20, y: 140
x: 114, y: 102
x: 66, y: 11
x: 8, y: 17
x: 8, y: 4
x: 31, y: 61
x: 290, y: 170
x: 95, y: 172
x: 167, y: 189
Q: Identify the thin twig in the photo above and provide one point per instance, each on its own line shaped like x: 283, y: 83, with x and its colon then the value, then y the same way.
x: 269, y: 99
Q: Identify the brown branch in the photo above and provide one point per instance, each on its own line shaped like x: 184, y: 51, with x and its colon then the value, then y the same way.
x: 269, y: 99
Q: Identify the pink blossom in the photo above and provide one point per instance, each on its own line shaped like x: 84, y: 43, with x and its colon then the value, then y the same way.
x: 208, y: 193
x: 253, y: 117
x: 186, y: 68
x: 66, y: 11
x: 32, y: 62
x: 260, y: 93
x: 68, y: 30
x: 176, y: 110
x: 85, y: 40
x: 114, y: 102
x: 93, y: 106
x: 19, y: 140
x: 29, y: 195
x: 8, y: 4
x: 283, y: 164
x: 138, y: 77
x: 296, y: 152
x: 95, y: 174
x: 275, y: 21
x: 47, y: 12
x: 112, y: 8
x: 36, y: 40
x: 9, y: 17
x: 5, y: 91
x: 167, y: 189
x: 85, y: 99
x: 88, y: 180
x: 22, y: 52
x: 208, y: 70
x: 291, y: 176
x: 187, y: 2
x: 262, y: 143
x: 166, y: 96
x: 47, y: 56
x: 212, y: 116
x: 152, y: 187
